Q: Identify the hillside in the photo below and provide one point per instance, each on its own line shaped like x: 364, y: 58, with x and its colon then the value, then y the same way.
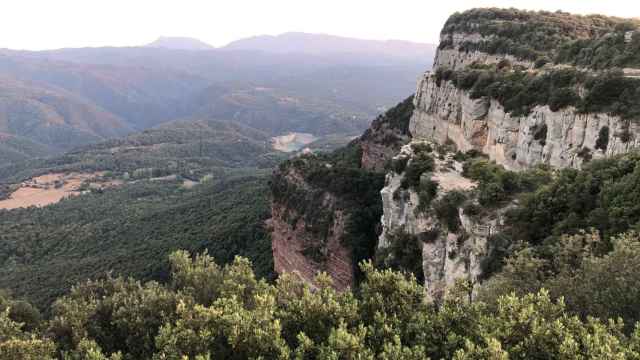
x: 130, y: 230
x: 277, y: 111
x: 140, y: 96
x: 204, y: 179
x: 15, y: 149
x: 190, y: 147
x: 52, y: 118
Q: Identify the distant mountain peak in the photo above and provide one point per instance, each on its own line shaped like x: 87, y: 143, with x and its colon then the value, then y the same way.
x: 180, y: 43
x: 309, y: 43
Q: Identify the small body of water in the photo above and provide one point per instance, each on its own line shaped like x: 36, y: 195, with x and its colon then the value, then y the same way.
x: 292, y: 141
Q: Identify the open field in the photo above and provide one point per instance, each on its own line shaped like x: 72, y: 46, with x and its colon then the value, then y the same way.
x: 51, y: 188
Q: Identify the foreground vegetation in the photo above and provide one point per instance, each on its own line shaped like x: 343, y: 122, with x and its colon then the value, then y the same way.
x: 207, y: 311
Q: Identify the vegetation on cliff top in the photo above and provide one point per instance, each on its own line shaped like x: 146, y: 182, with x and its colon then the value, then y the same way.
x: 594, y: 41
x: 392, y: 127
x: 572, y: 229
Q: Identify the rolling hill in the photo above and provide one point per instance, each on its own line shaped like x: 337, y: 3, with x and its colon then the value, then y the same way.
x: 16, y: 149
x: 51, y: 118
x: 192, y: 148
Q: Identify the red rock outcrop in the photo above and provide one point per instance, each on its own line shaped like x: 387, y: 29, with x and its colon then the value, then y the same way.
x: 304, y: 246
x: 290, y: 243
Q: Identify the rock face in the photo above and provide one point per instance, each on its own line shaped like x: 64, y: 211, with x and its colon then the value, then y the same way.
x: 454, y: 59
x: 447, y: 255
x: 385, y: 136
x: 560, y: 139
x: 309, y: 223
x: 452, y: 242
x: 305, y: 246
x: 444, y: 114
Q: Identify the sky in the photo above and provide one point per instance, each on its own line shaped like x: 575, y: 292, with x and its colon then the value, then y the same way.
x: 51, y: 24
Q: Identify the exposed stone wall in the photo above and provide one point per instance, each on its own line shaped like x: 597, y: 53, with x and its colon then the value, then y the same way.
x: 289, y: 244
x: 300, y: 249
x: 454, y: 59
x: 444, y: 112
x: 451, y: 255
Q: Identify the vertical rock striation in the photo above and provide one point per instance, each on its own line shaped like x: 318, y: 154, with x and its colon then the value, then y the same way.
x: 445, y: 112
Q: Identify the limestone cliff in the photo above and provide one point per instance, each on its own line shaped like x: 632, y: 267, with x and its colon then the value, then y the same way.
x: 444, y: 112
x: 514, y: 86
x: 452, y: 237
x: 483, y: 55
x: 505, y: 41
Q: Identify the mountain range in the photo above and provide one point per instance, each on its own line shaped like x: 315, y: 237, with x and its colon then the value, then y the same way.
x: 55, y: 100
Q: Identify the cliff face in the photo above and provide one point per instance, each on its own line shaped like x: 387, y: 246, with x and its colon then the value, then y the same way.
x: 508, y: 41
x: 445, y: 112
x: 305, y: 245
x: 448, y: 111
x: 326, y: 207
x: 510, y: 85
x: 452, y: 58
x: 452, y: 241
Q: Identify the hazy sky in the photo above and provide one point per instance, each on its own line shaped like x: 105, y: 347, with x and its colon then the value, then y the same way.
x: 48, y: 24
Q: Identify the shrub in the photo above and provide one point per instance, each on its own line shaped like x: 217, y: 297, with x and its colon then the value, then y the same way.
x: 585, y: 154
x: 446, y: 209
x: 540, y: 134
x: 472, y: 209
x: 417, y: 166
x: 426, y: 193
x: 398, y: 165
x: 403, y: 254
x: 603, y: 138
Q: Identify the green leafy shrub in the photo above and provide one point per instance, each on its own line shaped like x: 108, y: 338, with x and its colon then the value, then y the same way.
x: 497, y: 184
x: 403, y: 254
x: 426, y: 193
x: 603, y: 138
x: 398, y: 165
x: 419, y: 164
x: 446, y: 209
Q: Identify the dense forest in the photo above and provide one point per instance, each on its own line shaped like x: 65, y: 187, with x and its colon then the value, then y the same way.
x: 130, y: 230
